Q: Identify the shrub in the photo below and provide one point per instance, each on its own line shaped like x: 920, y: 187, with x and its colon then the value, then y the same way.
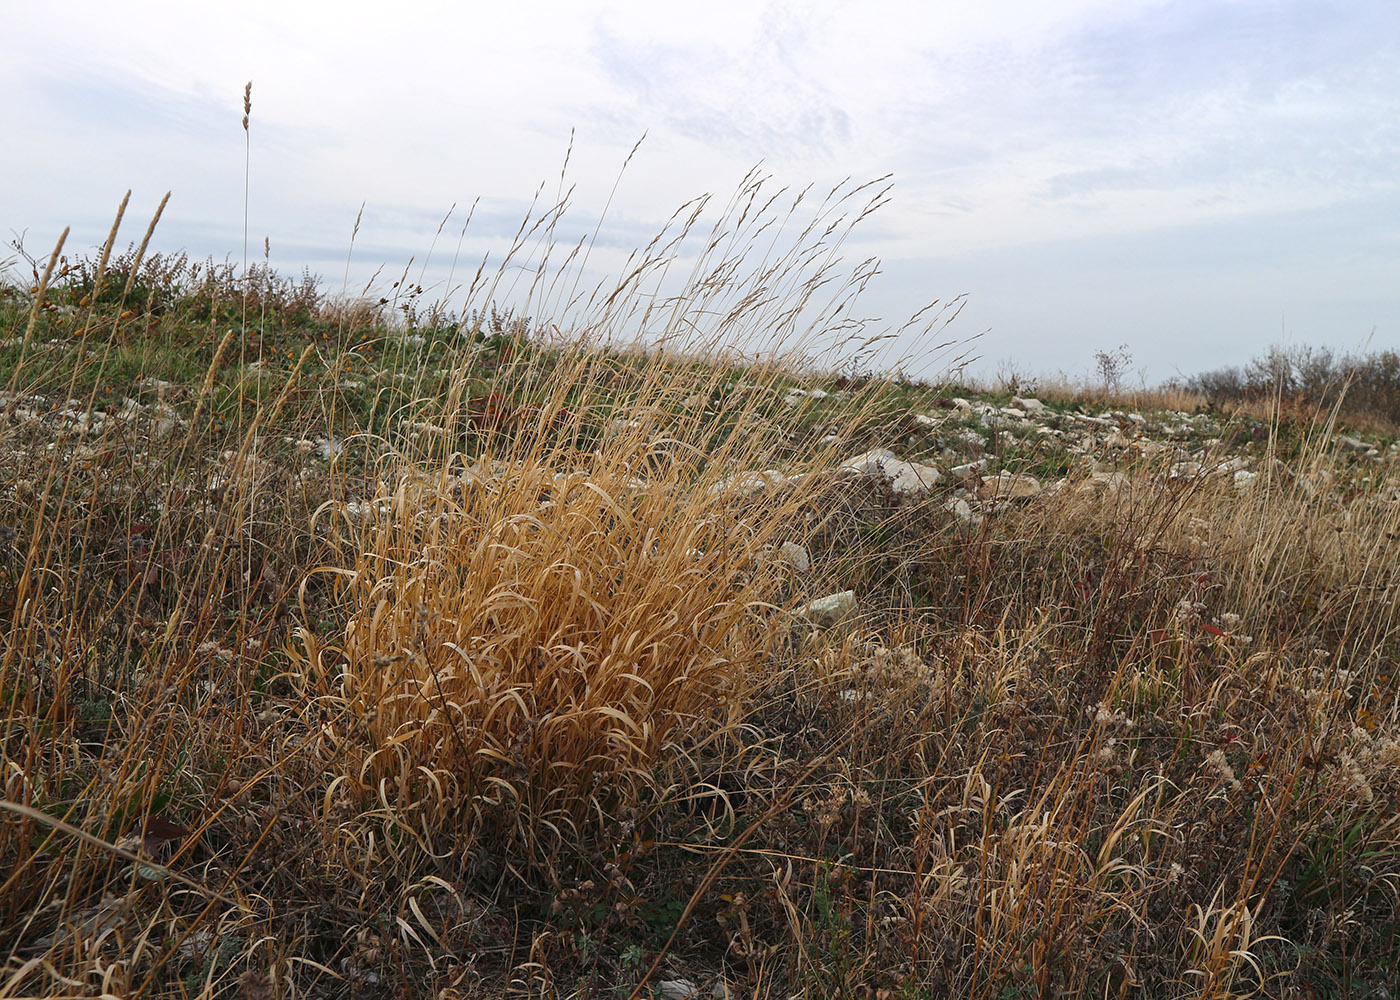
x: 1364, y: 387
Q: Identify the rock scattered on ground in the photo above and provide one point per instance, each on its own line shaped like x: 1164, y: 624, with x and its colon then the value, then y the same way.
x: 829, y: 610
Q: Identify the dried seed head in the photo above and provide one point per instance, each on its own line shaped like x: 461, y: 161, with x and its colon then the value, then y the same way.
x: 247, y: 103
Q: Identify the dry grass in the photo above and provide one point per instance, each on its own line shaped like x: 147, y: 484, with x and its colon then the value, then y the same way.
x: 464, y: 659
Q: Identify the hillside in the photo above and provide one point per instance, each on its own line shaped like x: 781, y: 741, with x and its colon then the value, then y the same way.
x: 465, y: 657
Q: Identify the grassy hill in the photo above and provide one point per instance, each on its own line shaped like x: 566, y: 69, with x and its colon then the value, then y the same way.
x: 456, y: 658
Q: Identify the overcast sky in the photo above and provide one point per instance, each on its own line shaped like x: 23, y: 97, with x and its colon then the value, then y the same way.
x: 1193, y: 179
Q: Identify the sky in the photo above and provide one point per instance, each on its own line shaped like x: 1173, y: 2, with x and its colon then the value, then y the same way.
x: 1196, y: 180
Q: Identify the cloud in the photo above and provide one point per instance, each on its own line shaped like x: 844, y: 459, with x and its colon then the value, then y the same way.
x: 1152, y: 144
x: 750, y: 96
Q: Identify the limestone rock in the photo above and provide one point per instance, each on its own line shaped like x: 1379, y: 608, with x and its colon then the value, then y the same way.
x: 962, y: 510
x: 795, y: 556
x: 904, y: 477
x: 968, y: 470
x: 1010, y: 486
x: 1358, y: 446
x: 745, y: 483
x: 830, y: 609
x: 688, y: 989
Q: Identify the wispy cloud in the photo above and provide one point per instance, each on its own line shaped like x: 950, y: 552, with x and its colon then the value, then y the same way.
x: 1118, y: 148
x: 751, y: 98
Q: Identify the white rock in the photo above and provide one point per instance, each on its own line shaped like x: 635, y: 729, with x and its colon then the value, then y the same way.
x: 686, y: 989
x: 968, y: 470
x: 795, y: 556
x: 1097, y: 484
x: 794, y: 395
x: 356, y: 510
x: 1010, y: 486
x: 1184, y: 470
x: 830, y: 609
x: 904, y: 477
x: 749, y: 482
x: 1109, y: 482
x: 1244, y: 478
x: 963, y: 511
x: 166, y: 421
x: 913, y: 477
x: 1029, y: 403
x: 871, y: 463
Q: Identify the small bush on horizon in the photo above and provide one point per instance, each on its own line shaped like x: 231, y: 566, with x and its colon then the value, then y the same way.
x: 1364, y: 387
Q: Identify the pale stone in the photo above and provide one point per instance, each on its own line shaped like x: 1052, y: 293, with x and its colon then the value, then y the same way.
x: 968, y: 470
x: 749, y: 482
x: 796, y: 556
x: 1010, y: 486
x: 962, y: 510
x: 1097, y: 484
x: 686, y: 989
x: 830, y: 609
x: 904, y: 477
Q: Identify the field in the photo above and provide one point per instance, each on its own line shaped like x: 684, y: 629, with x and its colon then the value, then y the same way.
x: 356, y: 649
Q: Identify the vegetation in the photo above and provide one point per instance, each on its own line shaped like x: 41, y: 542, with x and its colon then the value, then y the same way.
x: 360, y: 649
x: 1315, y: 379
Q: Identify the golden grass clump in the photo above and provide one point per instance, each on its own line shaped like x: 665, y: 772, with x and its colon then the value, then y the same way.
x: 535, y: 636
x: 532, y: 625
